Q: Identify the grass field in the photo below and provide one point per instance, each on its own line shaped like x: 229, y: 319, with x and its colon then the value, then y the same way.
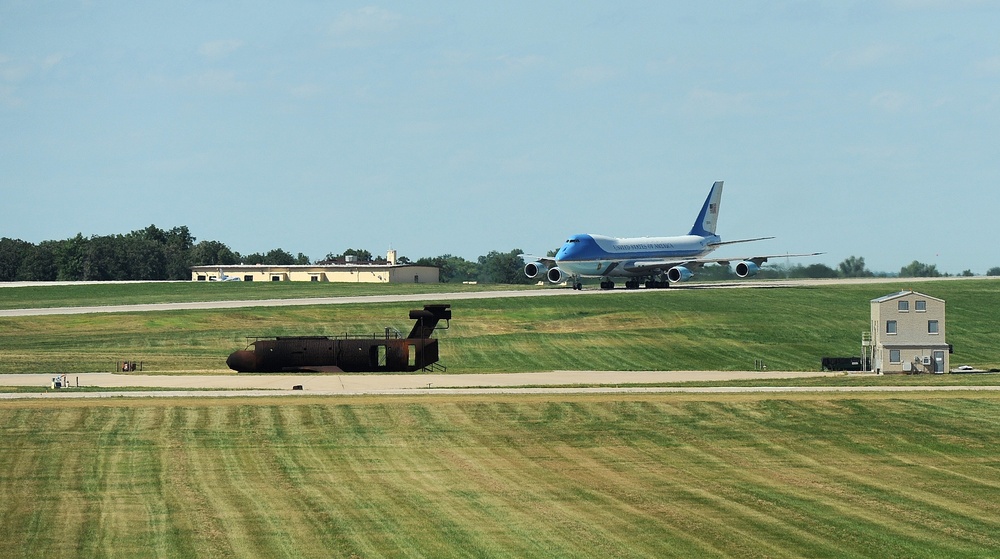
x: 681, y: 329
x: 553, y: 476
x: 779, y: 475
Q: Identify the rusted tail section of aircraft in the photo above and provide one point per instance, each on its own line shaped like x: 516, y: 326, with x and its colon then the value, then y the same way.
x: 379, y: 352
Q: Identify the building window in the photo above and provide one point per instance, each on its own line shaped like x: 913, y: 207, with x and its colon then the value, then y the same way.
x: 894, y: 356
x: 921, y: 306
x: 932, y: 327
x: 275, y: 278
x: 904, y: 306
x: 313, y: 278
x: 890, y: 327
x: 202, y: 278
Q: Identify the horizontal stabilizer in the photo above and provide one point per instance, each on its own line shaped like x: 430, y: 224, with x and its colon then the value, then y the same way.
x: 721, y: 243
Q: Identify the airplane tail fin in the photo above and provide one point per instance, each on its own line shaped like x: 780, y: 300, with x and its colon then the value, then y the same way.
x: 704, y: 226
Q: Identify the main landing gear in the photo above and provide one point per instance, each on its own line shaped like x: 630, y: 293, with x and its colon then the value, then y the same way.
x: 635, y: 283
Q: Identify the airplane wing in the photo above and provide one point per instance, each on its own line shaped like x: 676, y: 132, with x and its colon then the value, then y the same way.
x: 549, y: 261
x: 650, y: 266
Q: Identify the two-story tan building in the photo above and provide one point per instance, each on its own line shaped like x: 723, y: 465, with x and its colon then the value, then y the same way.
x: 908, y: 334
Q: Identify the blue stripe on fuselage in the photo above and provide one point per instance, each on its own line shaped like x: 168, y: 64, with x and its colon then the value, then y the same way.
x: 586, y: 248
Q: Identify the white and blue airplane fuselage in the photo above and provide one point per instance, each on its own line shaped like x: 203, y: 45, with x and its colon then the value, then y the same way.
x: 598, y: 255
x: 659, y: 261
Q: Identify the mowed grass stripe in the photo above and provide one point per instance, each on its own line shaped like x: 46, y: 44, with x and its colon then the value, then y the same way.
x: 365, y: 456
x: 568, y: 477
x: 884, y: 499
x: 596, y: 476
x: 295, y: 472
x: 490, y: 482
x: 192, y: 436
x: 603, y: 471
x: 25, y: 502
x: 238, y: 488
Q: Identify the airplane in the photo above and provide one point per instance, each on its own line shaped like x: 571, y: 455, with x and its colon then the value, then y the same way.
x: 660, y: 261
x: 224, y: 277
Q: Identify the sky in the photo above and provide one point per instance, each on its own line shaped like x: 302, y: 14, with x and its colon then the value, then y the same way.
x: 855, y: 128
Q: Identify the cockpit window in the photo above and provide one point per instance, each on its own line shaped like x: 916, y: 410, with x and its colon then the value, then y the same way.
x: 572, y: 240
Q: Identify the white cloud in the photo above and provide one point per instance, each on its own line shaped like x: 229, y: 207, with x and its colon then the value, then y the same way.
x: 10, y: 71
x: 662, y: 65
x: 219, y: 49
x: 305, y: 91
x: 508, y: 67
x: 9, y: 98
x: 519, y: 63
x: 14, y: 72
x: 51, y: 61
x: 890, y: 101
x: 877, y: 152
x: 988, y: 66
x: 908, y: 5
x: 864, y: 57
x: 709, y: 103
x: 218, y: 82
x: 592, y: 75
x: 364, y: 26
x: 210, y: 81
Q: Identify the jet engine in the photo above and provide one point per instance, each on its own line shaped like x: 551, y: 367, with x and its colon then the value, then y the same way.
x: 556, y: 275
x: 746, y: 269
x: 534, y: 269
x: 678, y: 273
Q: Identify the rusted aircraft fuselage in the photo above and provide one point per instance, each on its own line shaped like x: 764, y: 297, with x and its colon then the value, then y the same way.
x: 350, y: 354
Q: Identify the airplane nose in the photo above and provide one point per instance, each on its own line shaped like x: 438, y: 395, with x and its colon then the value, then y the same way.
x: 242, y: 361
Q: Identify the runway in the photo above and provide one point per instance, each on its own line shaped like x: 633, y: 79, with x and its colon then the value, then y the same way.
x: 364, y: 299
x: 552, y: 382
x: 376, y: 384
x: 433, y: 297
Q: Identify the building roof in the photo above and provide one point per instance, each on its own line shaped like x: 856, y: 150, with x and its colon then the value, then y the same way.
x: 351, y: 266
x: 892, y: 296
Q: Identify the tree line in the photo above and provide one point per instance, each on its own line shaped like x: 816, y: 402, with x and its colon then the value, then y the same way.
x: 149, y: 253
x: 157, y: 254
x: 851, y: 267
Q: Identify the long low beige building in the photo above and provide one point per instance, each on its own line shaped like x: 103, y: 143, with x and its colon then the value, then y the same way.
x: 344, y: 273
x: 350, y: 272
